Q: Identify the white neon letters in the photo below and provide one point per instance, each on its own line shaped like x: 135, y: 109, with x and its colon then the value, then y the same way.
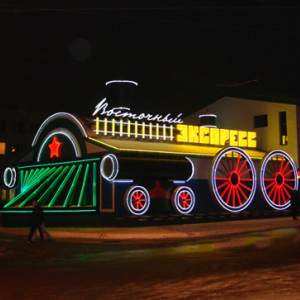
x: 124, y: 112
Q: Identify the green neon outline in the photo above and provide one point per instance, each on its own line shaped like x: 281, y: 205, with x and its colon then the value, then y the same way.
x: 60, y: 163
x: 83, y: 184
x: 29, y: 181
x: 40, y: 187
x: 25, y: 177
x: 32, y: 177
x: 94, y: 185
x: 61, y: 186
x: 72, y: 186
x: 21, y: 180
x: 54, y: 182
x: 48, y: 211
x: 27, y: 190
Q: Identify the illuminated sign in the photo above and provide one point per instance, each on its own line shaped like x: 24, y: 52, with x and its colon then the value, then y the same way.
x: 124, y: 112
x: 215, y: 136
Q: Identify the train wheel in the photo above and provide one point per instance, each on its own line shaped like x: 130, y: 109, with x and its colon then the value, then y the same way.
x: 278, y: 178
x: 183, y: 200
x: 233, y: 179
x: 137, y: 200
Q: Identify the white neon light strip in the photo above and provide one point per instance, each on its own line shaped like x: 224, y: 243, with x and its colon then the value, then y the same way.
x: 13, y: 177
x: 193, y: 169
x: 60, y: 115
x: 115, y: 167
x: 66, y: 133
x: 121, y: 81
x: 176, y: 201
x: 208, y: 115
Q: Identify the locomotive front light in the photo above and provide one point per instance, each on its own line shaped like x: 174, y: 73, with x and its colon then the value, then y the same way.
x: 109, y: 167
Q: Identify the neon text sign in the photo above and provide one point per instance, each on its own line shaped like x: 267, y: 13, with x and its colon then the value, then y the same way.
x: 124, y: 112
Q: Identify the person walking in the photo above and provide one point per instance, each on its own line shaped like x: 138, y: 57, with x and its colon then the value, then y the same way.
x: 294, y: 204
x: 37, y: 219
x: 46, y: 233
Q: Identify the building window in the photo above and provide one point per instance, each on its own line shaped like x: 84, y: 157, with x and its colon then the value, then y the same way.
x: 2, y: 148
x: 2, y: 126
x: 260, y: 121
x: 283, y: 128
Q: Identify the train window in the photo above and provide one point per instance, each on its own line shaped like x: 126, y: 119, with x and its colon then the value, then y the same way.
x: 283, y: 128
x: 260, y: 121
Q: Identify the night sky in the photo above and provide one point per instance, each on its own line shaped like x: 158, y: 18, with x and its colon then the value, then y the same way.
x: 57, y: 57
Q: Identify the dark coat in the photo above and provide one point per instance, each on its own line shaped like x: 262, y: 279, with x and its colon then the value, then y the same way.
x: 37, y: 217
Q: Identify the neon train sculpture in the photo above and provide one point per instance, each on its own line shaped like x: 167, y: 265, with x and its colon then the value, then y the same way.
x: 119, y: 161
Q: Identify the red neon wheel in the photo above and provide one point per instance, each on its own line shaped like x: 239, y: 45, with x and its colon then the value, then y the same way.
x: 183, y: 200
x: 233, y: 179
x: 278, y: 178
x: 137, y: 200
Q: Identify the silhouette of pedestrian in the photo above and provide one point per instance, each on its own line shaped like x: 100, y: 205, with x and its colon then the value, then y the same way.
x: 37, y: 220
x: 294, y: 204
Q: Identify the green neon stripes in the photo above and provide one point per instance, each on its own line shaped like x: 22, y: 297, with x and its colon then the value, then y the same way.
x: 73, y: 186
x: 29, y: 189
x: 94, y: 184
x: 51, y: 187
x: 62, y: 186
x: 83, y: 185
x: 40, y: 187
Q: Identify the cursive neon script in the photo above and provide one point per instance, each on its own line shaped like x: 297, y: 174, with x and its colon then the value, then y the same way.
x: 124, y: 112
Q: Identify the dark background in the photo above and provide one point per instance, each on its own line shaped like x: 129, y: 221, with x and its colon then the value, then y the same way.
x: 56, y: 56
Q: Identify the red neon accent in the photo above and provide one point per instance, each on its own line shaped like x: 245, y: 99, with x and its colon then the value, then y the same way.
x: 270, y: 185
x: 272, y: 190
x: 238, y: 195
x: 273, y: 164
x: 223, y: 184
x: 287, y: 163
x: 222, y: 178
x: 238, y: 161
x: 287, y: 193
x: 288, y: 186
x: 242, y: 193
x: 272, y: 175
x: 244, y: 186
x: 269, y: 179
x: 228, y: 196
x: 228, y: 171
x: 289, y: 179
x: 270, y: 167
x: 232, y: 163
x: 246, y: 179
x: 279, y: 192
x: 137, y: 201
x: 225, y: 191
x: 245, y: 172
x: 222, y: 172
x: 228, y: 162
x: 282, y: 195
x: 281, y: 165
x: 274, y: 196
x: 242, y: 166
x: 185, y: 199
x: 54, y: 147
x: 288, y: 173
x: 233, y: 196
x: 159, y: 192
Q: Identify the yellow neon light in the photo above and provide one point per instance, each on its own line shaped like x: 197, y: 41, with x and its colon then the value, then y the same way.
x: 143, y: 130
x: 183, y: 136
x: 243, y: 139
x: 128, y: 128
x: 214, y: 134
x: 193, y: 134
x: 204, y: 135
x: 105, y: 126
x: 164, y: 131
x: 150, y: 131
x: 136, y: 129
x: 252, y: 139
x: 121, y: 127
x: 224, y: 136
x: 233, y: 141
x: 113, y: 127
x: 171, y: 132
x: 157, y: 131
x: 97, y: 125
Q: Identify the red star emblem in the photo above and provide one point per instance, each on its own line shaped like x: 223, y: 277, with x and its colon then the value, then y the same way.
x: 54, y: 147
